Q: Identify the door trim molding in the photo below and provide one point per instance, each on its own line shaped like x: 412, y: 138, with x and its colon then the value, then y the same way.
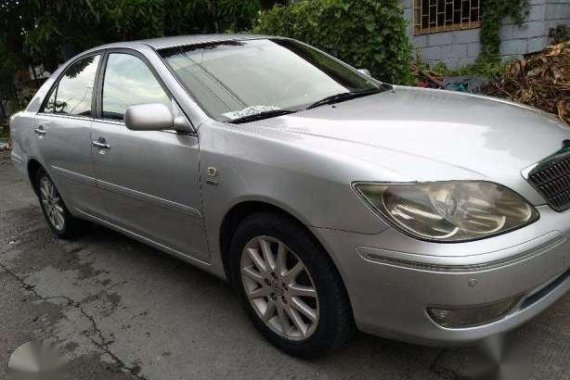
x: 152, y: 199
x: 188, y: 257
x: 74, y: 175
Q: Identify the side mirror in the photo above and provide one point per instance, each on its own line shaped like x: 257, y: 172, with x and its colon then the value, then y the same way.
x: 365, y: 72
x: 181, y: 123
x: 149, y: 117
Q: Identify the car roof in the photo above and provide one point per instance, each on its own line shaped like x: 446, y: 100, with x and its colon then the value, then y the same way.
x: 174, y: 41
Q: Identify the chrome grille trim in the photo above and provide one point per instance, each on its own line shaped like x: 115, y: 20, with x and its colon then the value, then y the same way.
x: 551, y: 178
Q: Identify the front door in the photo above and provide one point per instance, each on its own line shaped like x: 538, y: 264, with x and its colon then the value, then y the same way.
x: 150, y: 179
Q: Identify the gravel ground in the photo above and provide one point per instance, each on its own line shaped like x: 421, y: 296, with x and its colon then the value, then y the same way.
x: 121, y: 310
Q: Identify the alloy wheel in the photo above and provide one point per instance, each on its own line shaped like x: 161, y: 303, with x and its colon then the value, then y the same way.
x: 52, y: 203
x: 280, y: 289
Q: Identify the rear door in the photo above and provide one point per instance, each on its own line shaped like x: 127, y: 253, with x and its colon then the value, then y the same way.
x: 63, y: 134
x: 149, y: 179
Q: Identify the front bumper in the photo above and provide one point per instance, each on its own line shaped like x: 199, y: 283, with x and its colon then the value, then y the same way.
x: 392, y: 279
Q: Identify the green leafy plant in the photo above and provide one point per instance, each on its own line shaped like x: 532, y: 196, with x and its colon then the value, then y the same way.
x: 365, y: 33
x: 485, y: 69
x: 210, y: 16
x: 493, y: 12
x: 48, y: 31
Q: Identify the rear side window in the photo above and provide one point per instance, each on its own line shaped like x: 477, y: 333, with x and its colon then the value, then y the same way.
x: 74, y: 92
x: 128, y: 81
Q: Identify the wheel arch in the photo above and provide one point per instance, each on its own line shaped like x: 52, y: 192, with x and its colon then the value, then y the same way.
x: 242, y: 210
x: 32, y: 168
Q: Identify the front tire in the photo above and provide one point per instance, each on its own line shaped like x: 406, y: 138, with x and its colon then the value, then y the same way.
x: 289, y: 286
x: 60, y: 221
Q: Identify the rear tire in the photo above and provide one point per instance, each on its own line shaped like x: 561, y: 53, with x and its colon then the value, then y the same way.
x: 61, y: 222
x: 289, y: 286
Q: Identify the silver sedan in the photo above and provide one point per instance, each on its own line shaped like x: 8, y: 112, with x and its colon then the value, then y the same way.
x: 330, y: 201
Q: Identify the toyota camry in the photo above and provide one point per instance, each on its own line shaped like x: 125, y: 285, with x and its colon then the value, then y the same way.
x: 332, y: 202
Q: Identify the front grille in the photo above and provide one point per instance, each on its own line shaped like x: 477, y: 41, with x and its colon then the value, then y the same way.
x: 551, y: 178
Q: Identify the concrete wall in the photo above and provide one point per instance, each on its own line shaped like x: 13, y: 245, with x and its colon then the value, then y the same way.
x: 557, y: 12
x: 531, y: 36
x: 462, y: 47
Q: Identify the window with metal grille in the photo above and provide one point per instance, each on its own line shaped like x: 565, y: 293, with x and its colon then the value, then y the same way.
x: 434, y: 16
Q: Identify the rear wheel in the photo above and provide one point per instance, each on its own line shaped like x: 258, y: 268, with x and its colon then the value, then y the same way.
x: 61, y: 222
x: 289, y: 287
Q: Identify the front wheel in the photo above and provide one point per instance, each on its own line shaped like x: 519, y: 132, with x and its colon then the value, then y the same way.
x: 289, y: 286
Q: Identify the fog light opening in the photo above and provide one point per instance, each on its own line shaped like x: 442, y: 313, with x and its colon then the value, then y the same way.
x: 454, y: 317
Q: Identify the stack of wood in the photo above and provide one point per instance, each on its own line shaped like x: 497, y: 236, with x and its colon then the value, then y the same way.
x: 540, y: 79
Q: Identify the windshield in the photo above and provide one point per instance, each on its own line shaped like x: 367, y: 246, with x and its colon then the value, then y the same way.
x: 235, y: 79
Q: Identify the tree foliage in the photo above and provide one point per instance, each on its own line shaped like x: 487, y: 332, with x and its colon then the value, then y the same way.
x: 48, y: 31
x: 365, y: 33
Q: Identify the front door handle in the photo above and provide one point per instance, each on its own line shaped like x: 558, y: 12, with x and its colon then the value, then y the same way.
x: 40, y: 131
x: 101, y: 143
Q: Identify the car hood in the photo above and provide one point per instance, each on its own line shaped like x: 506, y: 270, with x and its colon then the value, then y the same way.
x: 447, y: 135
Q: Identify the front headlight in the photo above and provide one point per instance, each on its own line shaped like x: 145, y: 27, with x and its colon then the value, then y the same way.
x: 449, y: 211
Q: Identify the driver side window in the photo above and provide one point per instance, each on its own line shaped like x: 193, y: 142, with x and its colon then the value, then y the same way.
x: 128, y: 81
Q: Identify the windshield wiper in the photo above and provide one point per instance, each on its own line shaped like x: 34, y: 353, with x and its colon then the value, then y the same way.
x: 261, y: 116
x: 337, y: 98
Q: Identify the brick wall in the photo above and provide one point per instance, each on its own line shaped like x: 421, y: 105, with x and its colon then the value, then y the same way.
x: 459, y: 48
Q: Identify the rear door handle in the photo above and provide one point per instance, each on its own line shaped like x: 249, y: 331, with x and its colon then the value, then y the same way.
x: 40, y: 130
x: 101, y: 143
